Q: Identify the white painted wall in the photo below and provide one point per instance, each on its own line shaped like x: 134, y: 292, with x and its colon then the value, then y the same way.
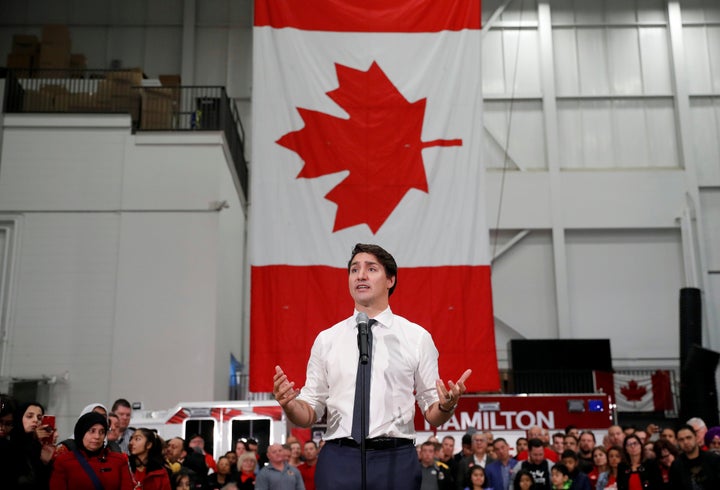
x: 627, y: 98
x: 127, y: 279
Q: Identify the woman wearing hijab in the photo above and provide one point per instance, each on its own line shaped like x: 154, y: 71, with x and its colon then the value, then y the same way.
x: 26, y: 460
x: 91, y: 466
x: 69, y: 444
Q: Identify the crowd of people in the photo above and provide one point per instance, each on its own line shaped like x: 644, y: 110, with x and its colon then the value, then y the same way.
x: 104, y: 452
x: 628, y: 458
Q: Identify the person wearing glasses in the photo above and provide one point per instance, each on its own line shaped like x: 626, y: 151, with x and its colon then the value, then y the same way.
x: 636, y: 472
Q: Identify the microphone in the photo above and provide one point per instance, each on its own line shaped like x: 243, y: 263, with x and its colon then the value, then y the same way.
x: 363, y: 329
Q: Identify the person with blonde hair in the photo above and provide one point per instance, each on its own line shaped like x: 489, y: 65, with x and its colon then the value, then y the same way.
x: 247, y: 464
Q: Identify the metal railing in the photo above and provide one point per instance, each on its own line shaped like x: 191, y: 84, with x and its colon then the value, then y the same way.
x: 151, y: 107
x: 566, y: 381
x: 577, y: 381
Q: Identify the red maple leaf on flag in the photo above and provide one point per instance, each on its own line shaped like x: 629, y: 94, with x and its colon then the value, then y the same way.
x: 379, y: 144
x: 633, y: 392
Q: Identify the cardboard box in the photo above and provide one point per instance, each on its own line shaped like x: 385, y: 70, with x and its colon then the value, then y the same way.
x: 56, y: 35
x: 159, y: 106
x: 174, y: 82
x: 126, y: 104
x: 20, y: 64
x: 50, y: 73
x: 25, y: 44
x: 35, y: 101
x: 59, y: 95
x: 81, y: 102
x: 170, y: 80
x: 104, y: 89
x: 53, y: 88
x: 52, y: 62
x: 53, y: 57
x: 78, y: 61
x: 131, y: 77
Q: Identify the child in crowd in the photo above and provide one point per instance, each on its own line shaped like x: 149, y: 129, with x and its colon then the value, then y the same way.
x: 560, y: 477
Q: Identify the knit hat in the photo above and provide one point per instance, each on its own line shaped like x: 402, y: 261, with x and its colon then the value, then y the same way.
x: 84, y: 424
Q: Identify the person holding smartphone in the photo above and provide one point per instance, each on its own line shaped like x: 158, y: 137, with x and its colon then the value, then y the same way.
x: 32, y: 446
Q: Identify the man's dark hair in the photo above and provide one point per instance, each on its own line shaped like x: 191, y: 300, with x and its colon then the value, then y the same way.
x: 569, y: 453
x: 428, y: 443
x: 383, y: 257
x: 120, y: 402
x: 569, y: 428
x: 466, y: 440
x: 499, y: 439
x: 558, y: 434
x: 588, y: 432
x: 686, y: 427
x: 561, y: 468
x: 311, y: 442
x: 535, y: 443
x: 570, y: 436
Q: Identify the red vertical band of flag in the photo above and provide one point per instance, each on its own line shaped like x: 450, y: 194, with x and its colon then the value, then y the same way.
x: 369, y: 15
x: 299, y: 302
x: 662, y: 393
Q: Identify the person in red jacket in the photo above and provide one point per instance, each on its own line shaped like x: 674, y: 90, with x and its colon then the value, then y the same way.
x: 146, y: 461
x: 90, y: 462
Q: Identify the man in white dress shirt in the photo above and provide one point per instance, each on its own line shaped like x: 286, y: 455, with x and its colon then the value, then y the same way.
x: 404, y: 370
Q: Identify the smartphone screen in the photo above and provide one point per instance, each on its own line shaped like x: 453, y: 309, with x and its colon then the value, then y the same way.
x: 48, y: 422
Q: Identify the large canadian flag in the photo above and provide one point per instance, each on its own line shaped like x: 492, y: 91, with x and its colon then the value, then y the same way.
x: 367, y: 124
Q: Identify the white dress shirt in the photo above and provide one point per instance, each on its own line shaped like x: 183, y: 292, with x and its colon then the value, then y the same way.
x: 404, y: 360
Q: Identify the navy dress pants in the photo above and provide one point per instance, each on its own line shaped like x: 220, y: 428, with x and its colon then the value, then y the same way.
x: 338, y: 467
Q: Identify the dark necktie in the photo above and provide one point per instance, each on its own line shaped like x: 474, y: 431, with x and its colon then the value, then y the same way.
x: 363, y: 378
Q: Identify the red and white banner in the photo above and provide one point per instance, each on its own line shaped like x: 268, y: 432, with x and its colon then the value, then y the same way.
x: 645, y: 392
x: 367, y: 126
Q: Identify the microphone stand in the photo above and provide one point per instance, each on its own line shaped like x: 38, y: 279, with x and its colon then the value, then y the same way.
x: 363, y: 429
x: 364, y: 364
